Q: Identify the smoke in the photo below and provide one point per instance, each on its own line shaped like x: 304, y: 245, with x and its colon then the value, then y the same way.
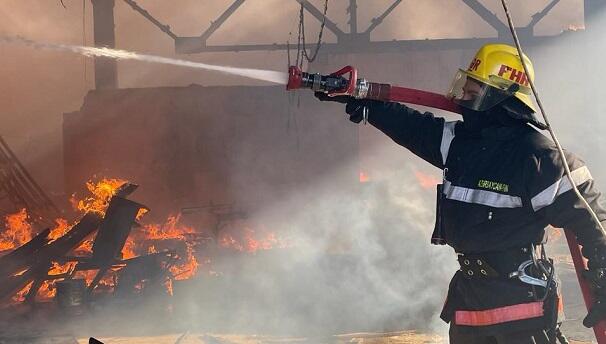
x: 360, y: 261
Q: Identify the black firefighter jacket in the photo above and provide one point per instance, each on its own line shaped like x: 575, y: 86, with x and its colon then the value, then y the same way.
x: 502, y: 187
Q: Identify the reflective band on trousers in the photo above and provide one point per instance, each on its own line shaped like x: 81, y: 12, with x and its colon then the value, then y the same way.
x: 447, y: 135
x: 549, y: 195
x: 484, y: 197
x: 499, y: 315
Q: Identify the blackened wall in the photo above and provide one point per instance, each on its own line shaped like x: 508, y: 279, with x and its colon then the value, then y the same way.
x: 189, y: 146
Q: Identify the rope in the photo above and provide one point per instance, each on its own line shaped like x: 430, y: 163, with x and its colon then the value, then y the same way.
x: 544, y: 114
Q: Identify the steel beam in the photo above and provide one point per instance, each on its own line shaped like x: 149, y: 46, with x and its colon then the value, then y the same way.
x: 216, y: 24
x: 540, y: 15
x: 488, y: 16
x: 355, y: 41
x: 353, y: 16
x: 593, y: 9
x: 374, y: 22
x: 106, y: 69
x: 320, y: 17
x: 190, y: 45
x: 164, y: 28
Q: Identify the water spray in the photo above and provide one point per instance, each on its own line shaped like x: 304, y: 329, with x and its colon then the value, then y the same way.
x: 256, y: 74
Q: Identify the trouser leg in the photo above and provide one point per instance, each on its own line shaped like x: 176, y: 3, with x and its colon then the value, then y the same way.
x: 526, y: 337
x: 455, y: 337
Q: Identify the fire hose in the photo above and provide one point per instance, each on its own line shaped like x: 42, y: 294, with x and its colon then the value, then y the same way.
x: 336, y: 84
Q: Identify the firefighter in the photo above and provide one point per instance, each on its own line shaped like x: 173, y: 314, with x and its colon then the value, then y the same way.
x: 504, y: 183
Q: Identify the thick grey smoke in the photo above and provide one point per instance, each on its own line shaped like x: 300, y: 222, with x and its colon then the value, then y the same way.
x: 360, y: 261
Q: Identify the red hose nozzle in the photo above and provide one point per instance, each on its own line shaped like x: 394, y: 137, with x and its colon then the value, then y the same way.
x: 295, y: 78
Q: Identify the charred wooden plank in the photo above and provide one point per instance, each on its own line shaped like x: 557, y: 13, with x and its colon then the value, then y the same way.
x: 119, y: 218
x: 114, y: 230
x: 23, y: 256
x: 33, y: 290
x: 58, y: 248
x: 126, y: 189
x: 11, y: 285
x: 44, y: 257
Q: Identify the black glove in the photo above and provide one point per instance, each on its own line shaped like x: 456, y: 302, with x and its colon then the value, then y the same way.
x: 324, y: 97
x: 354, y: 107
x: 596, y: 275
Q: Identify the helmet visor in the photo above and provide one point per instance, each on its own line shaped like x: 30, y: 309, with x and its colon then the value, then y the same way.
x: 477, y: 95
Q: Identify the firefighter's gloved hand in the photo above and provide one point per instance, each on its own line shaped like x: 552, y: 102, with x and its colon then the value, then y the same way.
x: 324, y: 97
x: 354, y: 107
x: 597, y: 279
x: 596, y: 314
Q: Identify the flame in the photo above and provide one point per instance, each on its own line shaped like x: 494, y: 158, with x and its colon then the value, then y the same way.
x: 145, y: 240
x: 128, y: 251
x: 85, y: 248
x: 21, y: 294
x: 251, y: 244
x: 426, y: 181
x: 172, y: 229
x: 18, y: 231
x: 187, y: 269
x: 107, y: 283
x: 48, y: 290
x: 101, y: 192
x: 364, y: 178
x: 61, y: 228
x: 58, y: 269
x: 141, y: 212
x: 169, y: 286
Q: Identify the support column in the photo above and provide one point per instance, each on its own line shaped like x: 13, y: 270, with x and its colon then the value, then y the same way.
x: 106, y: 69
x: 593, y: 10
x: 353, y: 16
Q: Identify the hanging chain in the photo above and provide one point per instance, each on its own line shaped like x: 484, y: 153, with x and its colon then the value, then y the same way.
x: 301, y: 44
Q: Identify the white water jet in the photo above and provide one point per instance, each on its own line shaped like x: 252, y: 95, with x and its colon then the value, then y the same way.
x: 257, y: 74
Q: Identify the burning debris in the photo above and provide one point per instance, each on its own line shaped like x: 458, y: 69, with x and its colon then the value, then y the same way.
x: 107, y: 251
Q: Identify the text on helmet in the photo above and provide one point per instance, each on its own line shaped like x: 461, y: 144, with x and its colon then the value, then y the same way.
x: 474, y: 65
x: 514, y: 75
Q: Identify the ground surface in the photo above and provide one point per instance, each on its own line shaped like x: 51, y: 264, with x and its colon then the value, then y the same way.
x: 408, y: 337
x: 405, y: 337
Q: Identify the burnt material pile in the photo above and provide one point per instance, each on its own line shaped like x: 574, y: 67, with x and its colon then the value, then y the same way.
x: 75, y: 264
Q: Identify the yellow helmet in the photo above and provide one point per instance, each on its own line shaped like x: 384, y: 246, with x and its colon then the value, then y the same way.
x: 495, y: 74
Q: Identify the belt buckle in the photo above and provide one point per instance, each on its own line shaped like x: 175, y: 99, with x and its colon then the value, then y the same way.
x: 525, y: 278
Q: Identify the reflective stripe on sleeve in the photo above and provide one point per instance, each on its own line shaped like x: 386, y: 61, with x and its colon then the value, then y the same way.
x: 484, y: 197
x: 447, y: 135
x: 499, y: 315
x: 549, y: 195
